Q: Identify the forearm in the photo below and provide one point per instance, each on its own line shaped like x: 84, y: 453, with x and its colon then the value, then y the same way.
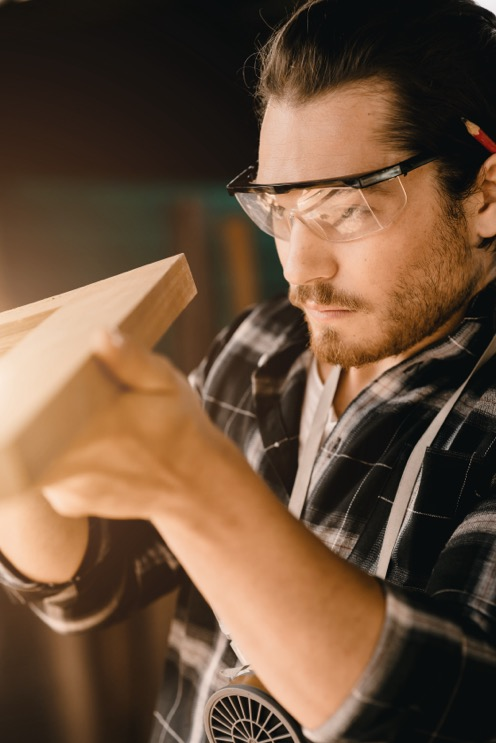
x: 38, y: 542
x: 314, y: 629
x: 306, y: 621
x: 311, y: 625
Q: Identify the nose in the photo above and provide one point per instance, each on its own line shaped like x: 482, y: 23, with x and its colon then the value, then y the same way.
x: 305, y: 257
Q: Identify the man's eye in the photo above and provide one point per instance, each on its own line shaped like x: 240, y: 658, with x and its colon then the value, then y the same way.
x: 354, y: 212
x: 278, y: 211
x: 269, y: 202
x: 343, y: 214
x: 265, y: 199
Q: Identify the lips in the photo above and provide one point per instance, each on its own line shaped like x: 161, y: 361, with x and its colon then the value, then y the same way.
x: 325, y: 312
x: 324, y: 308
x: 322, y: 302
x: 314, y: 307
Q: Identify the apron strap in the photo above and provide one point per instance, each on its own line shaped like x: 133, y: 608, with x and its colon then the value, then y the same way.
x: 413, y: 466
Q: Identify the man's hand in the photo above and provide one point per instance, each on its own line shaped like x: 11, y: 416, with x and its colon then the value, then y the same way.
x: 147, y: 446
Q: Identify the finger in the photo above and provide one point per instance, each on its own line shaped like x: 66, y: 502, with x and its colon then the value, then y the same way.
x: 65, y: 500
x: 100, y: 495
x: 132, y: 364
x: 112, y: 477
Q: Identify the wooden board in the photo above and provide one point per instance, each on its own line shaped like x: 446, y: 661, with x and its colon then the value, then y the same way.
x: 18, y: 322
x: 49, y: 383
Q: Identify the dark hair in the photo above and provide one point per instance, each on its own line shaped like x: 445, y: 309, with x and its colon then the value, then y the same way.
x: 438, y: 55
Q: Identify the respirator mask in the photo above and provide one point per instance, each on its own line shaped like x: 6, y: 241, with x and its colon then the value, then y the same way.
x: 244, y: 712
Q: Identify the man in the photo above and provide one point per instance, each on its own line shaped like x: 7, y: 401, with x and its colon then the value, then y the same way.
x: 392, y: 273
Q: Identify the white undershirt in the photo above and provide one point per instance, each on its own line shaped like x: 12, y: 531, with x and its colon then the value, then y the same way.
x: 313, y: 390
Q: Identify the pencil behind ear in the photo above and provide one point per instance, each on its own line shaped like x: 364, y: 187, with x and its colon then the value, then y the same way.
x: 486, y: 216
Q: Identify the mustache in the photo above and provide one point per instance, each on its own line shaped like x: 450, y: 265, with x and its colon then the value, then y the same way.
x: 325, y: 294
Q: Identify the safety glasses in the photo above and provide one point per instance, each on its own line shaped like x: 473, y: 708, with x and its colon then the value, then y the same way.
x: 337, y: 209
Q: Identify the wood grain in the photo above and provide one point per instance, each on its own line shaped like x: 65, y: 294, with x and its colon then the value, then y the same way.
x: 50, y: 385
x: 18, y: 322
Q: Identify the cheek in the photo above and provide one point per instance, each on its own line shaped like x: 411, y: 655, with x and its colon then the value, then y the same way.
x: 372, y: 266
x: 282, y: 247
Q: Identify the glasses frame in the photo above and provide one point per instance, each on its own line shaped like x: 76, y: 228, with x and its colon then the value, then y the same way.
x: 243, y: 183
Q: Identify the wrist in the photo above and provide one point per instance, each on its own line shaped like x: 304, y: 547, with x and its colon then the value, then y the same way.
x: 224, y: 503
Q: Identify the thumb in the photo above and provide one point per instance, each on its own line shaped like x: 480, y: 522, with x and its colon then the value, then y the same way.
x: 131, y: 363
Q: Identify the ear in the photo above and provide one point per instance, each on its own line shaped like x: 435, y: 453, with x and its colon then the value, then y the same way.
x: 486, y: 216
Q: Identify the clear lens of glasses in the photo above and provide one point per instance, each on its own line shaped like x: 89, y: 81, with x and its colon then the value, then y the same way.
x: 337, y: 214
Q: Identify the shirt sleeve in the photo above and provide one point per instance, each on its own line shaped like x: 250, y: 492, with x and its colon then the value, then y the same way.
x: 126, y: 566
x: 433, y: 673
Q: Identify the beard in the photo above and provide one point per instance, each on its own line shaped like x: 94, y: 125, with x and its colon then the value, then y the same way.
x: 426, y: 296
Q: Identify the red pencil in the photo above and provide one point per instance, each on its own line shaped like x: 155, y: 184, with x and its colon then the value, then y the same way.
x: 480, y: 135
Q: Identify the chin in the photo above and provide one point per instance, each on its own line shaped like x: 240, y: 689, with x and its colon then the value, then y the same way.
x: 330, y: 347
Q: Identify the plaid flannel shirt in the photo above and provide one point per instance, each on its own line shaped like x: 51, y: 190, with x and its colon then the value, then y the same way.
x: 433, y: 673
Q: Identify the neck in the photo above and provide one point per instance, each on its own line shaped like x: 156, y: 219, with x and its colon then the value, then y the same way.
x: 352, y: 381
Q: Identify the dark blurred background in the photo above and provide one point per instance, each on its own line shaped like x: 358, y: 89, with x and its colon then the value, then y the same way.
x: 129, y: 88
x: 120, y: 123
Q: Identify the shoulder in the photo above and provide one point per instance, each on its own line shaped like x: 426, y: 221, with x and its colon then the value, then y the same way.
x: 272, y: 322
x: 260, y: 330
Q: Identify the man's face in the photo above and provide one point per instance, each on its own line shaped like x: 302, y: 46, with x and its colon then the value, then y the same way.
x: 389, y: 293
